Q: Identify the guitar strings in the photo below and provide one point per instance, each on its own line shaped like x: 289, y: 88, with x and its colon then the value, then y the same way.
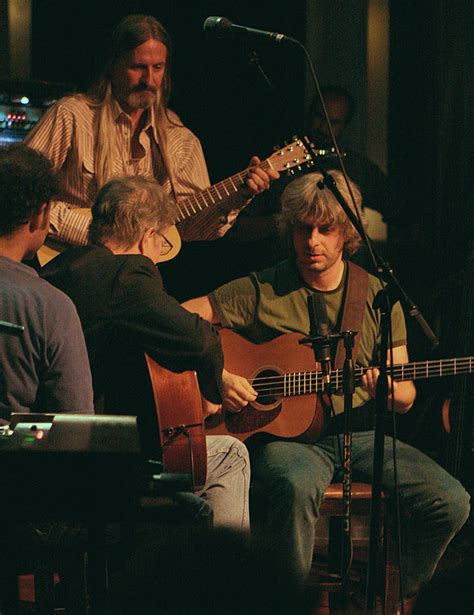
x: 297, y: 381
x: 229, y: 185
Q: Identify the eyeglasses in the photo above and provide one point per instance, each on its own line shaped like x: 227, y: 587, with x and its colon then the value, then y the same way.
x: 166, y: 245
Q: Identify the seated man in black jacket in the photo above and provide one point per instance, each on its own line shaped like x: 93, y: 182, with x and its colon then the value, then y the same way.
x: 126, y: 312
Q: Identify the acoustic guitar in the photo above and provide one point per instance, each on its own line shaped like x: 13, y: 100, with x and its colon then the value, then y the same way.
x: 180, y: 421
x: 287, y: 159
x: 282, y: 372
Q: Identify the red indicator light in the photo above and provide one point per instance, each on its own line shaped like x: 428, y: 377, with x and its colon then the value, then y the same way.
x: 39, y: 435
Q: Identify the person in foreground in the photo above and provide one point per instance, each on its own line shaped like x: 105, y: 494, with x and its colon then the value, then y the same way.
x: 44, y: 369
x: 126, y: 312
x: 295, y: 475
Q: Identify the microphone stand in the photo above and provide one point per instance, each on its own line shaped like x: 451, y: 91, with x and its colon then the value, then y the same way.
x: 348, y: 385
x: 391, y: 291
x: 318, y: 343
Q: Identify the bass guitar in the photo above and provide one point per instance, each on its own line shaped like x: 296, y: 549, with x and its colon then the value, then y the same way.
x: 282, y: 372
x: 287, y: 159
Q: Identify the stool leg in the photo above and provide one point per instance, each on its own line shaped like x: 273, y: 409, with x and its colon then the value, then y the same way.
x: 337, y: 600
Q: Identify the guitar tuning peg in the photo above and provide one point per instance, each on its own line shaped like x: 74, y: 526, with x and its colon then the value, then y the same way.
x: 291, y: 171
x: 276, y: 148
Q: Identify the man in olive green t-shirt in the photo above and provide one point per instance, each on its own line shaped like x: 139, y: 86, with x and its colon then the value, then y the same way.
x: 294, y: 474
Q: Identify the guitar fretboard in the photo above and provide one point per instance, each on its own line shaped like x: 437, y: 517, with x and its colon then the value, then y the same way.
x: 213, y: 195
x: 306, y: 383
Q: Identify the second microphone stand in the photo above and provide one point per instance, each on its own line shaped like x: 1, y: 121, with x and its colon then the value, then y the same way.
x: 391, y: 290
x: 319, y: 343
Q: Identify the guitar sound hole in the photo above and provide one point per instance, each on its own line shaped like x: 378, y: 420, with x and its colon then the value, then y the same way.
x: 268, y: 393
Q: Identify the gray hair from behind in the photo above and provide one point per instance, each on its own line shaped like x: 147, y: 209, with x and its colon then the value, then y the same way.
x: 303, y: 201
x: 126, y: 207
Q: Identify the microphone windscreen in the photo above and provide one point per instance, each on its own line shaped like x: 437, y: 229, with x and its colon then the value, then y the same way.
x: 216, y: 23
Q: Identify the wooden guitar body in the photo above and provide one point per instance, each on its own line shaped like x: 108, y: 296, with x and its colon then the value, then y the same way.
x: 291, y: 400
x: 180, y: 421
x: 300, y: 417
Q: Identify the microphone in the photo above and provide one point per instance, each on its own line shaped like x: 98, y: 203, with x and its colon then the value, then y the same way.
x: 319, y: 327
x: 222, y: 26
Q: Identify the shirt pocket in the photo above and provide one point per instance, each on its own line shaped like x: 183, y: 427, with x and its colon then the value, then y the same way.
x: 88, y: 179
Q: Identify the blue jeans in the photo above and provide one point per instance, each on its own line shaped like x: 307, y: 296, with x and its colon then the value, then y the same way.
x: 294, y: 476
x: 228, y: 481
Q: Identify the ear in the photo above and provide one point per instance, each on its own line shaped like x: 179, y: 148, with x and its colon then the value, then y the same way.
x: 146, y: 240
x: 40, y: 220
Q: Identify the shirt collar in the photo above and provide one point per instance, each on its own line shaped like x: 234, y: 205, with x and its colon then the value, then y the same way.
x: 118, y: 112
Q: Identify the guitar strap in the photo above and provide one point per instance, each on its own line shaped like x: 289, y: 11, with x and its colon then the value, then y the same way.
x: 354, y: 303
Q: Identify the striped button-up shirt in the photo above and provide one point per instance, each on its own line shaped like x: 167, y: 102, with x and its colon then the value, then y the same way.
x: 67, y: 136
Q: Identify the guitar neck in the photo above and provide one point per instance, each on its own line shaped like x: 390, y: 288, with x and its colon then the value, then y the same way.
x: 293, y: 157
x: 306, y: 383
x: 213, y: 195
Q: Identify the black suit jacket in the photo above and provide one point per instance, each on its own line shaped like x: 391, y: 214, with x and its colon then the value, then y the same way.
x: 125, y: 312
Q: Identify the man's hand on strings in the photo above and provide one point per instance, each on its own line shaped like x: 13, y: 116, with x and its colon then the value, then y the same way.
x: 238, y: 392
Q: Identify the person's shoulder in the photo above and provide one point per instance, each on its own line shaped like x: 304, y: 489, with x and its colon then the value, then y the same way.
x: 283, y: 276
x: 29, y: 288
x: 174, y: 119
x: 177, y: 130
x: 374, y: 283
x: 375, y: 286
x: 55, y: 303
x: 269, y: 273
x: 72, y: 104
x: 76, y: 257
x: 96, y: 257
x: 136, y: 266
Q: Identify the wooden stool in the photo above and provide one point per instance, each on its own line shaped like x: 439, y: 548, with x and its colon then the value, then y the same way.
x: 327, y: 577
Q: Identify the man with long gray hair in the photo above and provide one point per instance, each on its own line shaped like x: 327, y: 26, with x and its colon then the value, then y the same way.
x: 125, y: 312
x: 122, y: 127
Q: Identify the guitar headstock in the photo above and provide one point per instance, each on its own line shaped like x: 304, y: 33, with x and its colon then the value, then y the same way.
x: 296, y: 157
x: 291, y: 157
